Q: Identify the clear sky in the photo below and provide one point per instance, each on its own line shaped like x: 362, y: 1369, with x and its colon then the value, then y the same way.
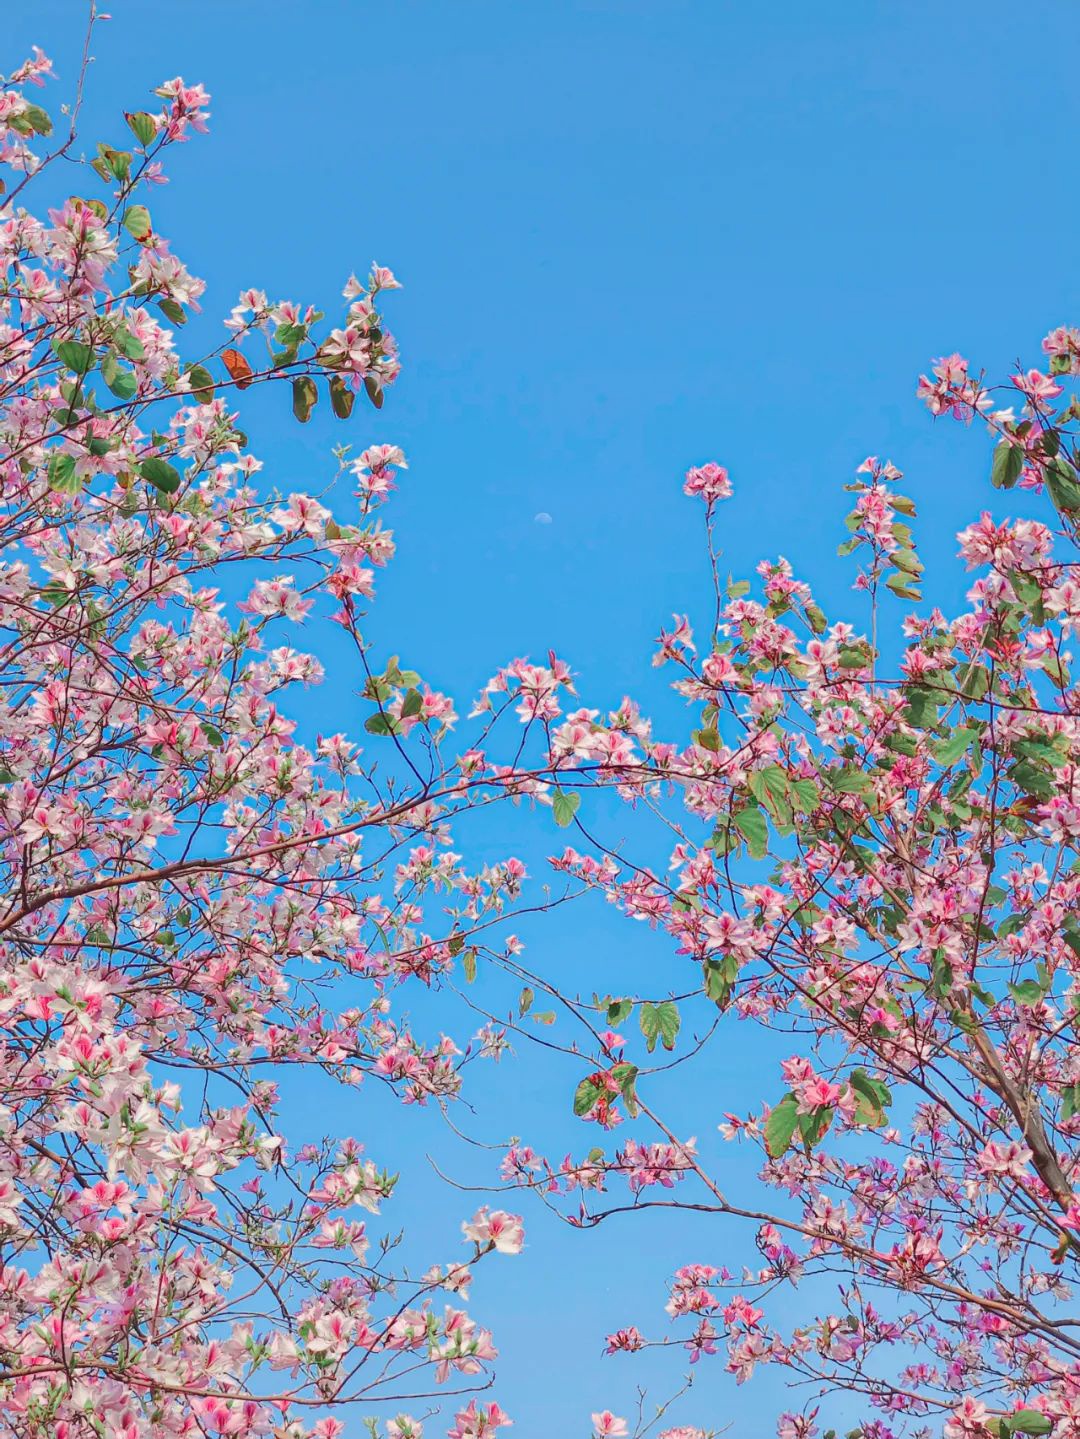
x: 633, y: 237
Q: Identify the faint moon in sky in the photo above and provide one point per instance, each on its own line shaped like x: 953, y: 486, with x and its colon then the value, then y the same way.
x: 543, y: 518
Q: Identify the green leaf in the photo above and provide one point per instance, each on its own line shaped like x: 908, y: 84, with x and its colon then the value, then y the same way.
x: 374, y: 391
x: 950, y: 749
x: 922, y: 707
x: 720, y: 976
x: 1057, y: 672
x: 813, y: 1126
x: 619, y: 1010
x: 983, y: 996
x: 670, y: 1023
x: 468, y: 965
x: 525, y: 1002
x: 768, y: 785
x: 650, y: 1025
x: 1008, y: 462
x: 769, y: 788
x: 74, y: 355
x: 1042, y: 749
x: 142, y: 125
x: 136, y: 221
x: 1028, y: 992
x: 161, y: 474
x: 201, y: 382
x: 1029, y: 1421
x: 342, y: 398
x: 815, y: 617
x: 754, y: 827
x: 976, y: 681
x: 941, y: 979
x: 40, y: 121
x: 380, y: 724
x: 564, y: 807
x: 1029, y: 592
x: 128, y: 344
x: 172, y: 311
x: 851, y: 781
x: 585, y: 1096
x: 290, y: 335
x: 62, y: 476
x: 1032, y: 780
x: 626, y: 1078
x: 780, y: 1126
x: 805, y: 795
x: 412, y: 704
x: 901, y: 586
x: 305, y: 395
x: 118, y: 162
x: 876, y: 1089
x: 659, y: 1021
x: 907, y: 560
x: 121, y: 381
x: 874, y: 1097
x: 1061, y: 485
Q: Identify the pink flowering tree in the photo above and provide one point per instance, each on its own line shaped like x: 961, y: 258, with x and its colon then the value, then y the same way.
x: 868, y: 845
x: 864, y: 851
x: 197, y: 905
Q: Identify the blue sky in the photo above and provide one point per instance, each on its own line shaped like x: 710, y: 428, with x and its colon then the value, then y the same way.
x: 633, y: 237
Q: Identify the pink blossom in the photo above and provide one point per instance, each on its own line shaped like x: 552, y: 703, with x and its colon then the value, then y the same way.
x: 709, y: 481
x: 497, y: 1229
x: 607, y: 1424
